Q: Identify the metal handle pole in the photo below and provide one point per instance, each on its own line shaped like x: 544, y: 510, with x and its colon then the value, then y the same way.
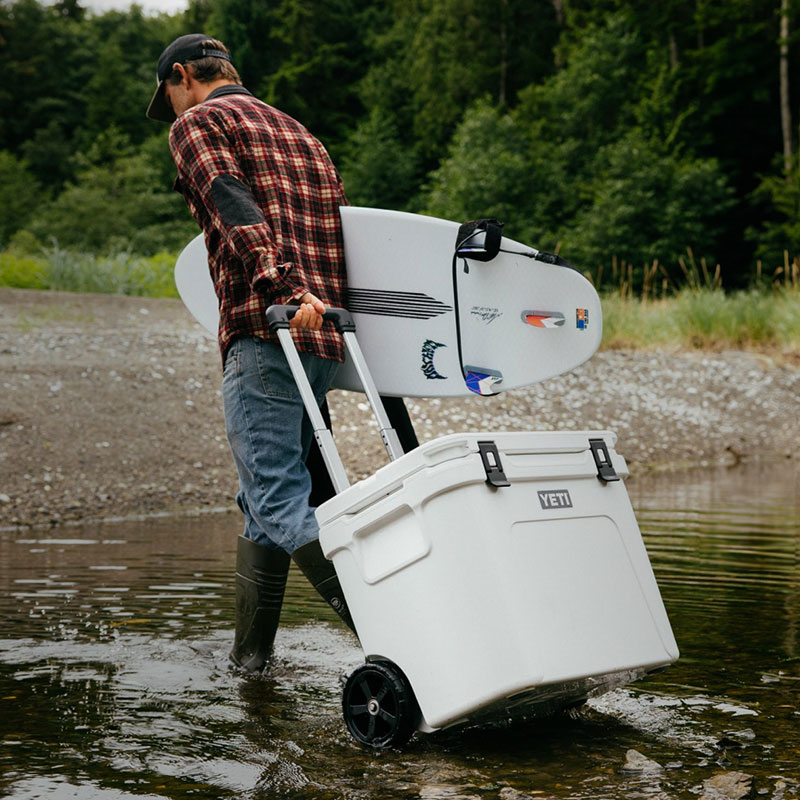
x: 278, y: 318
x: 330, y: 454
x: 388, y: 433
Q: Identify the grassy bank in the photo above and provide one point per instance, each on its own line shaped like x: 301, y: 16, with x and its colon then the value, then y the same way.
x: 699, y: 316
x: 705, y: 318
x: 57, y: 269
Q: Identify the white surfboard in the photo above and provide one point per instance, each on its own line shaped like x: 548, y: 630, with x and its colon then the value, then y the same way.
x: 520, y: 320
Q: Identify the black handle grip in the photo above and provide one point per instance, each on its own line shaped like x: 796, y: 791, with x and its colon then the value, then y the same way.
x: 279, y: 317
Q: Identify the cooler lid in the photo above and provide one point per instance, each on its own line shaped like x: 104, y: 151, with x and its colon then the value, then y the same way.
x: 390, y: 477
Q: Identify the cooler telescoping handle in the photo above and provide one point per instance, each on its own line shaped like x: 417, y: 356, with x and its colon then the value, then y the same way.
x: 278, y: 318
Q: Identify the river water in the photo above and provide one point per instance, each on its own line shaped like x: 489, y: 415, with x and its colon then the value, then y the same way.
x: 114, y: 681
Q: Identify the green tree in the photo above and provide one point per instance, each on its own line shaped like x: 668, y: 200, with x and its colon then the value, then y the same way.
x: 485, y: 172
x: 436, y: 57
x: 43, y: 60
x: 568, y: 118
x: 21, y: 195
x: 118, y: 201
x: 125, y: 50
x: 647, y: 204
x: 302, y: 57
x: 68, y: 76
x: 779, y: 231
x: 379, y: 170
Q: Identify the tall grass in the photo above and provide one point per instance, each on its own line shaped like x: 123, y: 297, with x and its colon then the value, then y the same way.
x: 704, y: 319
x: 700, y: 314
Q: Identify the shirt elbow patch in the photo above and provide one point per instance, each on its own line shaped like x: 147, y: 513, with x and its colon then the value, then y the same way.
x: 234, y: 202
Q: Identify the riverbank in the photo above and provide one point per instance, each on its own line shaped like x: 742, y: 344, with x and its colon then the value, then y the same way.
x: 110, y: 407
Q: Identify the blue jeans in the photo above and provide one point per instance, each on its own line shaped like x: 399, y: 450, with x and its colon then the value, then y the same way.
x: 270, y: 436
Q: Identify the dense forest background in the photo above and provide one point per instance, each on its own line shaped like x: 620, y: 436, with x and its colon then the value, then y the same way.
x: 628, y: 135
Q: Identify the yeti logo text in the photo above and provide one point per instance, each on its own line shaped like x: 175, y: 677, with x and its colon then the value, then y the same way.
x: 558, y: 498
x: 428, y: 350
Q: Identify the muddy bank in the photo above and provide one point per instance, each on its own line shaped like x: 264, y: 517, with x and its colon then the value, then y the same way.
x: 110, y: 407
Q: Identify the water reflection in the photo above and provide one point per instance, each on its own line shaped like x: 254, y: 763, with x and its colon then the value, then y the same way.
x: 114, y: 680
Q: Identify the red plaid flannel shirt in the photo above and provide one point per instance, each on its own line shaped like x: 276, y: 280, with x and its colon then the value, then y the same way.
x: 267, y: 196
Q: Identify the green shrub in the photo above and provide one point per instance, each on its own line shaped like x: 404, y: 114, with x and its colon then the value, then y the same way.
x: 67, y: 271
x: 22, y: 271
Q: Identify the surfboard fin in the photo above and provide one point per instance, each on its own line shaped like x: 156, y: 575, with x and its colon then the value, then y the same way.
x: 482, y: 380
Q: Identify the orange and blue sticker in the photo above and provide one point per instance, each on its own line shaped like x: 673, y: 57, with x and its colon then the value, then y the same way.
x: 581, y: 318
x: 481, y: 380
x: 543, y: 319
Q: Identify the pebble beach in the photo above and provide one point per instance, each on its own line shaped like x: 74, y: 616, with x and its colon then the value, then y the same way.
x: 110, y: 408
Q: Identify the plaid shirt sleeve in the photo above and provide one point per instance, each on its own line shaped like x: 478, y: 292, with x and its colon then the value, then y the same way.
x: 211, y: 176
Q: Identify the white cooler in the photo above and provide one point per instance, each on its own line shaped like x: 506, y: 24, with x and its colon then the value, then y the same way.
x: 486, y: 573
x: 493, y: 597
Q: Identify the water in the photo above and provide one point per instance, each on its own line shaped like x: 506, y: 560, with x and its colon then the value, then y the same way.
x: 114, y: 681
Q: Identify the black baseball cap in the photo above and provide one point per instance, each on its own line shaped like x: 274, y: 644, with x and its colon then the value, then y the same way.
x: 184, y: 48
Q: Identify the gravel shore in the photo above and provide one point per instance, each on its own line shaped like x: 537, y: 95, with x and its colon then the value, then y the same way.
x: 110, y: 407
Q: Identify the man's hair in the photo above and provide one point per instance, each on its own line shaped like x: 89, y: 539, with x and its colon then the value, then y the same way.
x: 210, y: 68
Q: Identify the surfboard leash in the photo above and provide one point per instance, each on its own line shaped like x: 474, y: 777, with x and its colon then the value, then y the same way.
x: 545, y: 258
x: 475, y: 381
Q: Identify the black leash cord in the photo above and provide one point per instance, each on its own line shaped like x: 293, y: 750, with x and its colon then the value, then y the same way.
x: 455, y: 307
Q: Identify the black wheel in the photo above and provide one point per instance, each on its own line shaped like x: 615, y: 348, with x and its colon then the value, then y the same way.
x: 379, y: 706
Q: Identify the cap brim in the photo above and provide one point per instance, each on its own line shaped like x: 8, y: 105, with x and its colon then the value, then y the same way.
x: 159, y: 109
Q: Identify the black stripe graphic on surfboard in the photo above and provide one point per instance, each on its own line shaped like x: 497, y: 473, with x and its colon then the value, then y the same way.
x: 411, y: 305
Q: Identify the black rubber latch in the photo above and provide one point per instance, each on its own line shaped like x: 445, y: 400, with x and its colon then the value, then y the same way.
x: 492, y: 464
x: 605, y: 469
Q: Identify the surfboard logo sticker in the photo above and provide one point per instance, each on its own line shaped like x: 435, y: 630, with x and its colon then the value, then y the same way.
x: 428, y: 350
x: 484, y: 314
x: 543, y: 319
x: 581, y: 318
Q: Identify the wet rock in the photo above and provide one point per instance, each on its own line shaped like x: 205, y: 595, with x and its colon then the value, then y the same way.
x: 508, y: 793
x: 728, y: 786
x: 433, y: 791
x: 639, y: 763
x: 784, y: 785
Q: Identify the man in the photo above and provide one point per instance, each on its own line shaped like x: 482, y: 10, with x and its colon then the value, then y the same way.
x: 267, y: 197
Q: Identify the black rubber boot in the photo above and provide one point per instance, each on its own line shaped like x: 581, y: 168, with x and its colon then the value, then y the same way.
x: 309, y: 557
x: 322, y: 576
x: 260, y: 582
